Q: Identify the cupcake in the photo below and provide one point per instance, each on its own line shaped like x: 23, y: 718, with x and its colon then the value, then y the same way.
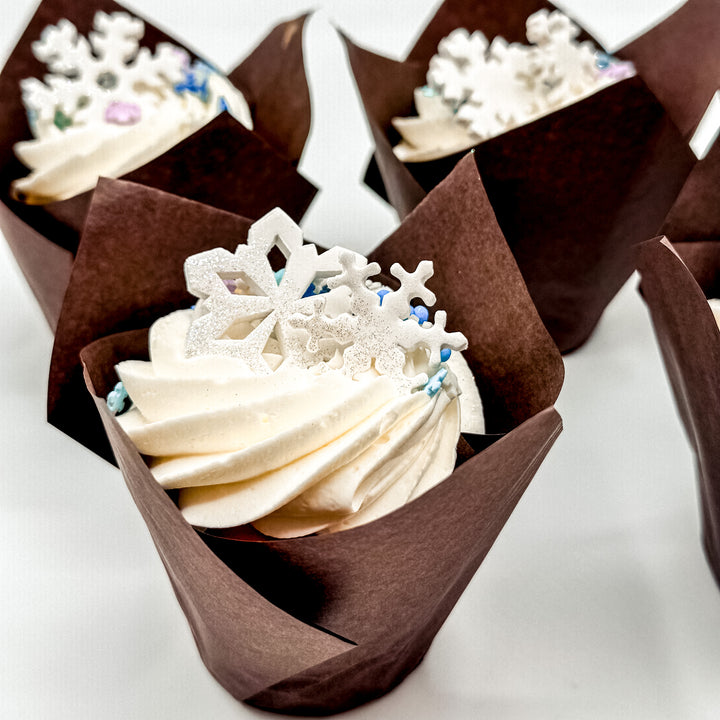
x: 319, y: 623
x: 109, y: 105
x: 112, y: 95
x: 305, y: 399
x: 477, y: 89
x: 573, y: 187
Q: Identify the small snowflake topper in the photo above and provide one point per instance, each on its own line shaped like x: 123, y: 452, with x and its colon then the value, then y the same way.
x: 483, y: 89
x: 320, y: 311
x: 106, y: 77
x: 89, y: 76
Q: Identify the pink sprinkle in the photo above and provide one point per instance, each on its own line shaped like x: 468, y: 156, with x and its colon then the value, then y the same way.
x: 122, y: 113
x: 619, y: 70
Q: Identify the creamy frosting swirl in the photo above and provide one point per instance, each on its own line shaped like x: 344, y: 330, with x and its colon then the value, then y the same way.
x: 294, y: 452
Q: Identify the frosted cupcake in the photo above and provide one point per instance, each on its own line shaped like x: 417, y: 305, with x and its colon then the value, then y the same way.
x: 478, y: 89
x: 109, y: 105
x: 301, y: 400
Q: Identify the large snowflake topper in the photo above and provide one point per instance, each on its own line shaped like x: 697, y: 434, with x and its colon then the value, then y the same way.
x: 245, y: 305
x: 92, y: 76
x: 487, y: 88
x: 320, y: 310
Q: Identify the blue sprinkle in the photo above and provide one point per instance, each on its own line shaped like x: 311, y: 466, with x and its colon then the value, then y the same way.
x: 382, y: 293
x: 310, y: 291
x: 432, y: 388
x: 279, y: 275
x: 602, y: 60
x: 445, y: 354
x: 427, y: 91
x: 116, y: 399
x: 222, y: 105
x: 420, y: 312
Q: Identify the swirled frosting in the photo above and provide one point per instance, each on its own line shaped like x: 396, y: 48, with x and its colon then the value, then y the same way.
x: 110, y: 106
x: 294, y: 452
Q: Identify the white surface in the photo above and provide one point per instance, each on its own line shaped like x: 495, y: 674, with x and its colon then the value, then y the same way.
x: 595, y: 601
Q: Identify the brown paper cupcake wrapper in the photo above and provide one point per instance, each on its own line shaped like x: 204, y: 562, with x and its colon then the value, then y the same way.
x: 573, y: 191
x: 679, y: 273
x: 675, y: 293
x: 320, y: 624
x: 223, y: 164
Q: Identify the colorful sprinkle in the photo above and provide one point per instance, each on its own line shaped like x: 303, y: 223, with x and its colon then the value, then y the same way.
x: 61, y: 120
x: 445, y: 354
x: 435, y: 382
x: 279, y: 274
x: 420, y: 312
x: 116, y: 399
x: 382, y: 293
x: 602, y: 60
x: 122, y: 113
x: 222, y: 105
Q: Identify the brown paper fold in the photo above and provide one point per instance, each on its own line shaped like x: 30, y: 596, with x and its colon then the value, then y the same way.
x: 679, y: 59
x: 573, y: 191
x: 320, y: 624
x: 223, y: 164
x: 690, y: 344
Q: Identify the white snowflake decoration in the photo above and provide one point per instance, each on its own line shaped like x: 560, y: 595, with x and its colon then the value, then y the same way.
x: 90, y: 78
x: 477, y: 90
x: 246, y: 308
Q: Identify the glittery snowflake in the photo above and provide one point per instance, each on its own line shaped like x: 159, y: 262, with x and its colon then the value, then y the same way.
x: 244, y: 304
x: 381, y: 332
x: 98, y: 78
x: 320, y: 310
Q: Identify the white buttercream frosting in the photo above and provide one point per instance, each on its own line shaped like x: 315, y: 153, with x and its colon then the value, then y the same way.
x: 320, y: 424
x: 298, y: 451
x: 110, y: 106
x: 477, y: 89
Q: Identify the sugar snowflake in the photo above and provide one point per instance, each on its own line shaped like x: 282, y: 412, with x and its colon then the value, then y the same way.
x: 88, y: 75
x: 321, y: 310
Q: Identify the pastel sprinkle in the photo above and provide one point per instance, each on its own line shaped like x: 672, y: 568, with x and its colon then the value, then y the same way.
x: 420, y: 312
x: 61, y: 120
x: 445, y: 354
x: 602, y: 61
x: 116, y: 399
x: 435, y: 382
x: 279, y: 274
x: 382, y: 293
x: 122, y: 113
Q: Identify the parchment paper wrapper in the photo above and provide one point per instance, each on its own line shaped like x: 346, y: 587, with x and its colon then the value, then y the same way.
x: 573, y: 191
x: 223, y: 164
x: 676, y: 280
x: 319, y: 624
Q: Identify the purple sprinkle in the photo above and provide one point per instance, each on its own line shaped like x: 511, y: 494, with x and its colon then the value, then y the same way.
x: 122, y: 113
x: 231, y: 285
x: 618, y: 70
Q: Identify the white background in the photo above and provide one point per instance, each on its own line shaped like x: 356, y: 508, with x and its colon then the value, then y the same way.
x: 595, y: 601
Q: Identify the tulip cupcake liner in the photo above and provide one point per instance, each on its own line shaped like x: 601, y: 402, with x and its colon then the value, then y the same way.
x: 680, y: 272
x: 223, y: 164
x: 319, y: 624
